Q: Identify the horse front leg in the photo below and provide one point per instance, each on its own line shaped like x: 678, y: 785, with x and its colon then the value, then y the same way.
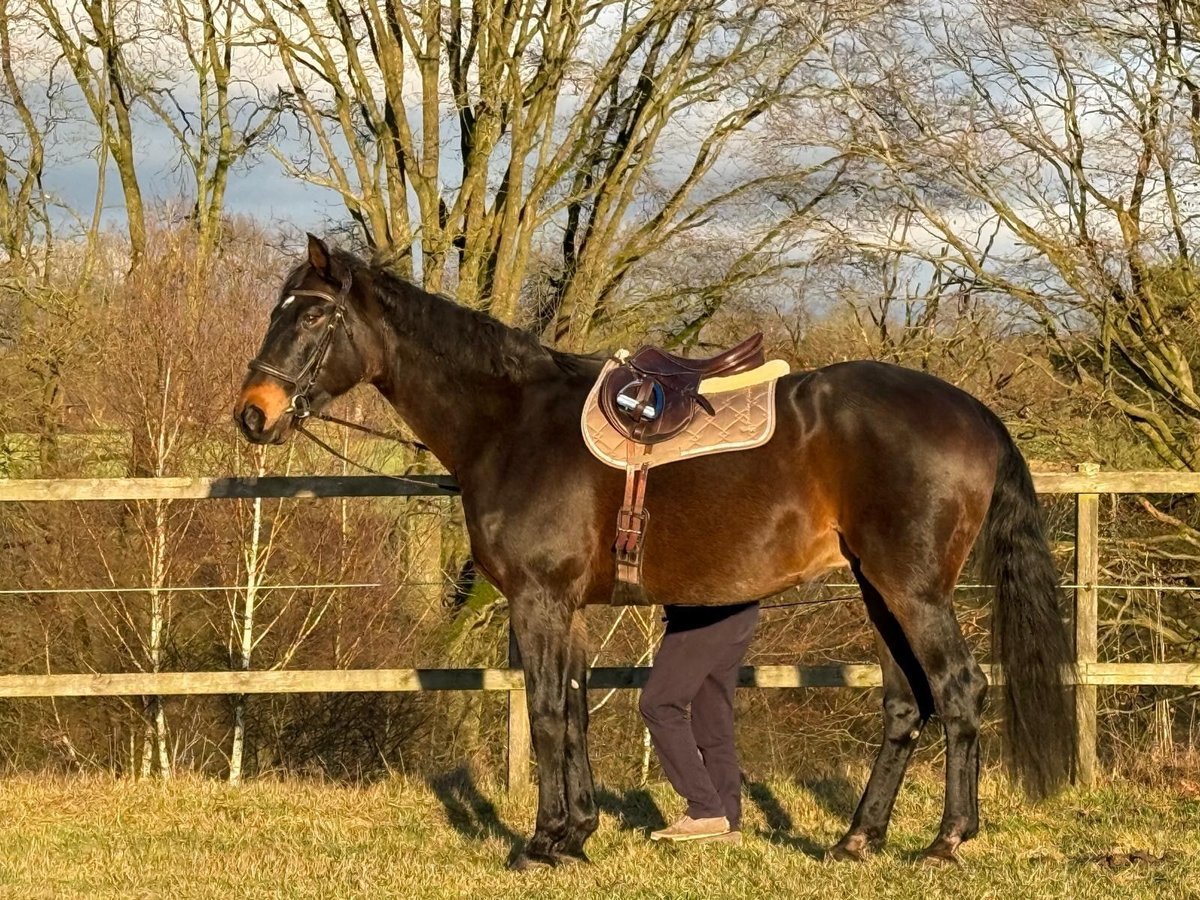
x: 583, y: 817
x: 543, y: 630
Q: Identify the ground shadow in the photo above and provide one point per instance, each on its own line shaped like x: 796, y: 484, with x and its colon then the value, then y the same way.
x: 468, y: 811
x: 835, y: 795
x: 634, y: 810
x: 779, y: 822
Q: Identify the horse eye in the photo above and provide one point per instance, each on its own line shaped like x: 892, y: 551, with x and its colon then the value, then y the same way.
x: 311, y: 318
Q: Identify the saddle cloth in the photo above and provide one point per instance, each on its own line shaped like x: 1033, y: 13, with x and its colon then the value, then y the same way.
x: 745, y: 418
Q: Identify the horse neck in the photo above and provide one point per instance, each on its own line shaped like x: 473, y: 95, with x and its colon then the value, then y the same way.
x: 446, y: 375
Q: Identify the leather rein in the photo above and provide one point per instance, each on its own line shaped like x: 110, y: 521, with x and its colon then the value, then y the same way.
x: 300, y: 405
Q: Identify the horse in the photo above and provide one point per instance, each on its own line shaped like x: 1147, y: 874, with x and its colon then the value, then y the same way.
x: 890, y: 471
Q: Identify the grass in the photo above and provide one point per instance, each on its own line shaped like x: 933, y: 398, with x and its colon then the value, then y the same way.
x: 95, y: 837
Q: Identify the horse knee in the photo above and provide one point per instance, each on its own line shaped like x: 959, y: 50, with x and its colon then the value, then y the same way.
x: 902, y: 719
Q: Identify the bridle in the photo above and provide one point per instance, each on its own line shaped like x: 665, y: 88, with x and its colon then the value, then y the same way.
x: 300, y: 405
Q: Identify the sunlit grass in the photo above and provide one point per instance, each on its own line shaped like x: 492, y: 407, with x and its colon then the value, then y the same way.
x: 95, y: 837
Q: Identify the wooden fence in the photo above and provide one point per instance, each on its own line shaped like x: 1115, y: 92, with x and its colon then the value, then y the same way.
x: 1087, y: 484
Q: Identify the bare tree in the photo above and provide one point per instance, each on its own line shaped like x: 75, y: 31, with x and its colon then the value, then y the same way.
x: 596, y: 129
x: 92, y: 38
x: 205, y: 95
x: 1048, y: 156
x: 23, y: 157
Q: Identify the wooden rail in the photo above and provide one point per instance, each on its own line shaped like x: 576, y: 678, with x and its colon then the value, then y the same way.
x: 1087, y: 483
x: 35, y: 490
x: 325, y: 681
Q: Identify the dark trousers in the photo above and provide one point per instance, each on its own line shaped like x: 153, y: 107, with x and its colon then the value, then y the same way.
x: 696, y: 669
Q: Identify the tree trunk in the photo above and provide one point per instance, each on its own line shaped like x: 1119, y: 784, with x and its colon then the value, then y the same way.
x: 245, y: 636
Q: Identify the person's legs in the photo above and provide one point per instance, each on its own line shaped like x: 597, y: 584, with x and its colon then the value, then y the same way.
x: 697, y: 751
x: 712, y: 716
x: 679, y: 670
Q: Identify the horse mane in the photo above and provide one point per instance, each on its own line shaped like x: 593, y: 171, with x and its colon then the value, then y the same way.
x: 476, y: 340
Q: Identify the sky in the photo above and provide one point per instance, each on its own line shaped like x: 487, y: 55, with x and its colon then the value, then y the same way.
x: 260, y: 189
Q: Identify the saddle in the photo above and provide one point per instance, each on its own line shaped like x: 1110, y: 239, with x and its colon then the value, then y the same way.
x: 653, y: 395
x: 650, y: 397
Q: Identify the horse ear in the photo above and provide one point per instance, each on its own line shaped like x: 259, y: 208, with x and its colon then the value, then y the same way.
x: 319, y: 256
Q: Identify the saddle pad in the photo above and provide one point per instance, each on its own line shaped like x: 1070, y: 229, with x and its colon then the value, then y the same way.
x: 769, y: 371
x: 745, y: 418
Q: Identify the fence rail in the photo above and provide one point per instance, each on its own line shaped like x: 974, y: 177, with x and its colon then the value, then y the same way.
x: 320, y: 681
x: 36, y: 490
x: 1087, y: 484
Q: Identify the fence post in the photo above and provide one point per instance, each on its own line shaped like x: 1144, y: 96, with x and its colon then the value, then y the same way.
x: 518, y: 724
x: 1087, y: 602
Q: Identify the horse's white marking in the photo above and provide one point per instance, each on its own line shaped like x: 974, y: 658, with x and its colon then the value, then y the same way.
x: 574, y: 684
x: 286, y: 300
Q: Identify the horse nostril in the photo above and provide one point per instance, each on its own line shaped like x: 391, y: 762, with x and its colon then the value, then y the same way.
x: 253, y: 418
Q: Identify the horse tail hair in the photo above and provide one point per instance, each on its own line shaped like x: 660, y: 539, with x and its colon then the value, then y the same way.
x: 1031, y: 639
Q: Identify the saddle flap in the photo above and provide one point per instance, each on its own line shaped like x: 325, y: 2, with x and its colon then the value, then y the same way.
x: 644, y: 409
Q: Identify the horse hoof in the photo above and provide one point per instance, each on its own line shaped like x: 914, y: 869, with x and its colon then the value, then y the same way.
x: 939, y: 857
x: 527, y: 862
x: 856, y: 848
x: 842, y: 854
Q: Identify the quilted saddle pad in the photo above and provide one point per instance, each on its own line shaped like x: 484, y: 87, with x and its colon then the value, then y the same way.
x: 745, y: 418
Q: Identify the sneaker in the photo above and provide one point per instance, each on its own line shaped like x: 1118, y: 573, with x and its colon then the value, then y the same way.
x: 689, y: 829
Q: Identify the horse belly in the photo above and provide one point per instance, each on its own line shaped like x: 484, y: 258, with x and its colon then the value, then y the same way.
x: 741, y: 540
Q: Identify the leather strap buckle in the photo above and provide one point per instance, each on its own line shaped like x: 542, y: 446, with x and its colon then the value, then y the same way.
x: 631, y: 525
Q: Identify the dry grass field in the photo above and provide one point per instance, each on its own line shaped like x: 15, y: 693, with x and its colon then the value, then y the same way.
x: 100, y: 838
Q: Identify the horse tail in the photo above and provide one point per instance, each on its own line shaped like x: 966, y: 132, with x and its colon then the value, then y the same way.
x: 1031, y: 639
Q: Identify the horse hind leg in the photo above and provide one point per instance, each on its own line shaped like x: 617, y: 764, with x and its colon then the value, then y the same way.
x: 958, y: 688
x: 907, y: 706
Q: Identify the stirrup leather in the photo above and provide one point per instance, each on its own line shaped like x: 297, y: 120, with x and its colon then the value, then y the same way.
x: 633, y: 516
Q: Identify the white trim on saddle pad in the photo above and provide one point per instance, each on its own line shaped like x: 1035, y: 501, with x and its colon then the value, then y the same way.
x: 745, y: 419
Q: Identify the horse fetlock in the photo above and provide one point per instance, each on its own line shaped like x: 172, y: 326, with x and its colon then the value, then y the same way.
x: 584, y: 823
x: 944, y: 849
x: 857, y: 845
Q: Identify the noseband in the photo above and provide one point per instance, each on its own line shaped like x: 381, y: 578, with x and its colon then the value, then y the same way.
x: 299, y: 405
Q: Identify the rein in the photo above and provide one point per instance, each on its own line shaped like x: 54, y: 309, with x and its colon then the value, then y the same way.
x: 374, y: 432
x: 299, y: 426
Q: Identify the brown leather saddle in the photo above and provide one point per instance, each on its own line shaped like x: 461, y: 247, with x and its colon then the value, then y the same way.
x: 650, y: 397
x: 653, y: 395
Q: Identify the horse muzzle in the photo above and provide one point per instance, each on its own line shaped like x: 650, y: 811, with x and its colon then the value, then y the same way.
x: 263, y: 413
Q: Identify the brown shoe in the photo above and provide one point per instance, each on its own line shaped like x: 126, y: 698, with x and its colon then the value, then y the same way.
x: 689, y: 829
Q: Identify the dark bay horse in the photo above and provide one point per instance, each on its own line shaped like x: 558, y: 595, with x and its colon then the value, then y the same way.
x: 888, y: 470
